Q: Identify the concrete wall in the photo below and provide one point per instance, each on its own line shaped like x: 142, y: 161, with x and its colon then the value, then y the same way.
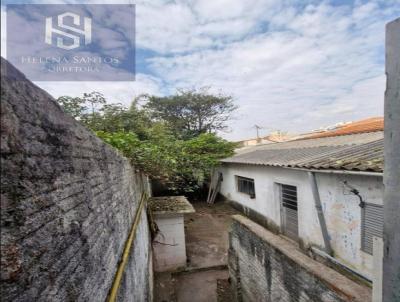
x: 137, y: 282
x: 169, y: 244
x: 266, y: 267
x: 391, y: 261
x: 341, y: 210
x: 67, y: 204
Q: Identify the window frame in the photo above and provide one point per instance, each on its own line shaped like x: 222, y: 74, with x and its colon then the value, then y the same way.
x: 248, y: 180
x: 364, y: 247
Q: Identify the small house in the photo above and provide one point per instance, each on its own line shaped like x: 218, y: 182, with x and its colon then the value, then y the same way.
x: 169, y: 244
x: 323, y: 193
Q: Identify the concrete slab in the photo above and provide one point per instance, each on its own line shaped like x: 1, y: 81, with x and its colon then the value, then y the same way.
x: 207, y: 234
x: 224, y: 291
x: 199, y: 286
x: 164, y: 289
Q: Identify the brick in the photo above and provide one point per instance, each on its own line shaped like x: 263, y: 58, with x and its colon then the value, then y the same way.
x: 265, y: 267
x: 68, y: 203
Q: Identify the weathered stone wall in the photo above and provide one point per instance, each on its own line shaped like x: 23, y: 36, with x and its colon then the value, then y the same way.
x: 67, y: 204
x: 266, y: 267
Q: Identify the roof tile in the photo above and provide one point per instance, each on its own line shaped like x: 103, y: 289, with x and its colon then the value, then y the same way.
x: 368, y: 125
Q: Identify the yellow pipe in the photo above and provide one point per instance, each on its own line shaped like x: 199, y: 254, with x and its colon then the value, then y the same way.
x: 112, y: 297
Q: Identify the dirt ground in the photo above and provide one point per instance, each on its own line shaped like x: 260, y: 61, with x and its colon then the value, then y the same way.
x: 206, y: 276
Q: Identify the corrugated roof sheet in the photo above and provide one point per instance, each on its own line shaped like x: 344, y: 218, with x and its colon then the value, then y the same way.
x: 358, y: 152
x: 319, y: 142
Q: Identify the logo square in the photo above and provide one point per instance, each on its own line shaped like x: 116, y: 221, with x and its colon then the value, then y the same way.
x: 72, y: 42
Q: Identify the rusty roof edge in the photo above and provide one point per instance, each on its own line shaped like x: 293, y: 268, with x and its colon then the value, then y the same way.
x: 320, y: 142
x: 335, y: 135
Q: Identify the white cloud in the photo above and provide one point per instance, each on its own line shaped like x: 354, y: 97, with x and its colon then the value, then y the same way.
x: 318, y: 64
x: 114, y: 92
x: 182, y: 26
x: 290, y: 65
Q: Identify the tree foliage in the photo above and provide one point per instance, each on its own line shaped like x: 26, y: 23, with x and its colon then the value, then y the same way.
x: 191, y: 112
x: 182, y: 164
x: 181, y: 161
x: 73, y: 106
x: 97, y: 115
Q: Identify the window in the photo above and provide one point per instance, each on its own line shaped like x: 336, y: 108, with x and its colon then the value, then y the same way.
x: 246, y: 186
x: 289, y: 214
x: 371, y: 225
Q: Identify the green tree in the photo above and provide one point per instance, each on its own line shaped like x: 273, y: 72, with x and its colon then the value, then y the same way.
x: 95, y: 99
x: 181, y: 165
x: 85, y: 109
x: 92, y: 117
x: 190, y: 113
x: 116, y: 117
x: 93, y: 111
x: 199, y: 156
x: 75, y: 107
x: 178, y: 158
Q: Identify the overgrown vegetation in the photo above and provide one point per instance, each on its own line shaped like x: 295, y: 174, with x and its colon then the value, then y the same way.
x: 172, y: 139
x: 190, y: 113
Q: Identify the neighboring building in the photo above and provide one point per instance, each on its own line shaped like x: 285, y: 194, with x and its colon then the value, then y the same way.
x: 272, y: 185
x: 367, y: 125
x: 254, y: 141
x: 363, y: 126
x: 273, y: 137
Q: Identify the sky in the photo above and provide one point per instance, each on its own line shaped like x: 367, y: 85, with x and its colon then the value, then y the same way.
x: 289, y: 65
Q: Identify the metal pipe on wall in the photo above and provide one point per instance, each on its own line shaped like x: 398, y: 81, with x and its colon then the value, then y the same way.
x: 113, y: 294
x: 320, y: 212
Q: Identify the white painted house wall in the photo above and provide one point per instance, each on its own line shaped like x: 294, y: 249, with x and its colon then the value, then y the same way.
x: 341, y: 208
x: 169, y: 244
